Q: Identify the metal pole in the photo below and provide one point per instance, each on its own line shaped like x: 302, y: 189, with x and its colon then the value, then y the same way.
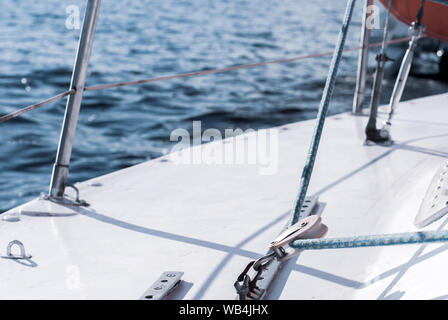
x: 372, y: 133
x: 359, y: 97
x: 61, y: 166
x: 415, y: 30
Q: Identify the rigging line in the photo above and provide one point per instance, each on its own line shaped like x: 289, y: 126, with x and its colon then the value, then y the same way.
x: 386, y: 27
x: 372, y: 240
x: 19, y: 112
x: 237, y: 67
x: 322, y: 113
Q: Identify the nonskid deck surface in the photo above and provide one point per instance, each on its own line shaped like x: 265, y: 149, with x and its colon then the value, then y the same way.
x: 209, y: 221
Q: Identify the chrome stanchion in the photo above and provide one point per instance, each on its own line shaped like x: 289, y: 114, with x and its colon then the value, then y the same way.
x: 61, y: 166
x: 359, y: 97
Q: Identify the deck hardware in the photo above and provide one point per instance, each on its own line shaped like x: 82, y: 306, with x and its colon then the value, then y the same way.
x: 248, y: 288
x: 372, y: 133
x: 95, y: 184
x: 307, y: 228
x: 253, y: 283
x: 65, y: 200
x: 10, y: 255
x: 61, y: 165
x: 415, y: 31
x: 258, y: 264
x: 359, y: 97
x: 160, y: 289
x: 242, y: 287
x: 77, y: 200
x: 377, y: 136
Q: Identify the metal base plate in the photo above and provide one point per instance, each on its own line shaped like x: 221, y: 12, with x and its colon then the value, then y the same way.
x: 167, y: 282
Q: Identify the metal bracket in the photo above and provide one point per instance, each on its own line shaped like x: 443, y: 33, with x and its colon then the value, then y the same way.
x: 160, y: 289
x: 66, y: 201
x: 10, y: 255
x: 263, y: 271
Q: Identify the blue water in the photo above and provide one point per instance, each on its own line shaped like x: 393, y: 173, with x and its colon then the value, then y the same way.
x: 141, y: 39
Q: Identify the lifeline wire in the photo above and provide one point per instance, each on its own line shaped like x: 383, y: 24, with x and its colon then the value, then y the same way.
x: 17, y: 113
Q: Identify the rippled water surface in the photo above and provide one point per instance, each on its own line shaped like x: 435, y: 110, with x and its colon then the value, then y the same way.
x: 141, y: 39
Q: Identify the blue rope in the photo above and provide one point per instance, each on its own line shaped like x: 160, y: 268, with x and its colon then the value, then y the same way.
x: 372, y: 240
x: 323, y: 109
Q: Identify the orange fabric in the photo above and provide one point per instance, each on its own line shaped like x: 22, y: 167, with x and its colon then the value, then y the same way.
x: 435, y: 16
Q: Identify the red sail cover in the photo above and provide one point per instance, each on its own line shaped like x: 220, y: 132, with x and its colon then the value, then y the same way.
x: 435, y: 16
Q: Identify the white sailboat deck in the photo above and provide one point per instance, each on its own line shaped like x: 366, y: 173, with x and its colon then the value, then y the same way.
x: 209, y: 221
